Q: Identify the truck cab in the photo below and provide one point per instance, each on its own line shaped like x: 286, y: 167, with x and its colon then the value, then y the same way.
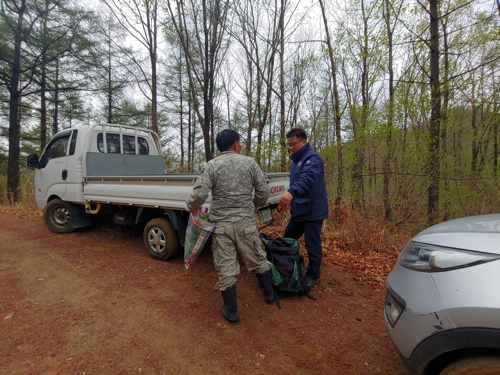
x: 51, y: 175
x: 61, y: 168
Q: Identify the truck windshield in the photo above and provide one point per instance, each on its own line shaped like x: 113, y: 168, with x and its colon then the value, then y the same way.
x: 56, y: 148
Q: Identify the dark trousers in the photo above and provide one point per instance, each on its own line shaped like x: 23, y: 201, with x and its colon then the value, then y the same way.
x: 311, y: 231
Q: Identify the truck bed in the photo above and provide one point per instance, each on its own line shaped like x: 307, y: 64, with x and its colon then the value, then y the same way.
x: 168, y: 191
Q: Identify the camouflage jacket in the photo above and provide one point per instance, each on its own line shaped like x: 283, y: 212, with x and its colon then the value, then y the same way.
x: 237, y: 184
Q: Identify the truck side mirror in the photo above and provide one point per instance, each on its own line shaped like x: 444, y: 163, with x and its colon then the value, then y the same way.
x: 33, y: 161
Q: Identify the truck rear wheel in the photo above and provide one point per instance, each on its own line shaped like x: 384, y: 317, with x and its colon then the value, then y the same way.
x: 160, y: 239
x: 57, y: 218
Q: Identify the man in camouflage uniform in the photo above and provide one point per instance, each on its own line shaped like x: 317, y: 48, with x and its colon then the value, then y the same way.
x: 238, y: 187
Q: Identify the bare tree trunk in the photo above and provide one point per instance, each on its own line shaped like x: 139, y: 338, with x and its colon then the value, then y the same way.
x: 249, y: 106
x: 359, y: 199
x: 386, y: 164
x: 282, y: 87
x: 14, y: 148
x: 495, y: 123
x: 153, y: 56
x: 207, y: 115
x: 55, y: 122
x: 435, y: 121
x: 484, y: 115
x: 264, y: 113
x: 336, y: 108
x: 110, y: 85
x: 14, y: 124
x: 444, y: 114
x: 43, y: 105
x: 190, y: 137
x: 271, y: 136
x: 181, y: 110
x: 474, y: 143
x: 43, y: 86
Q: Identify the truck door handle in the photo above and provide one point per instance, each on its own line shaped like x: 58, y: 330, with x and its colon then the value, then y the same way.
x: 64, y: 174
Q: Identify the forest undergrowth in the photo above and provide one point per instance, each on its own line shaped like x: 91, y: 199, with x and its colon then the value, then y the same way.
x: 367, y: 247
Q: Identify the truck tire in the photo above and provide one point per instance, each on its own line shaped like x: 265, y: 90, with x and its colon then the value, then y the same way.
x: 57, y: 218
x: 160, y: 239
x: 474, y: 366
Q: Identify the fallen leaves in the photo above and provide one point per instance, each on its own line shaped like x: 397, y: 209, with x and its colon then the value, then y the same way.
x: 373, y: 268
x: 21, y: 210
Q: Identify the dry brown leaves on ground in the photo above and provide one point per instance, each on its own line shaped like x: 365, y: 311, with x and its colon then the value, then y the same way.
x: 367, y: 248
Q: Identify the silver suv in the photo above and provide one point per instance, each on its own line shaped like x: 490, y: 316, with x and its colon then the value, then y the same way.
x: 442, y: 306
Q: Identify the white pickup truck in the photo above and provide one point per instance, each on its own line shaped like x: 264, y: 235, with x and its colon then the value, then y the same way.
x: 119, y: 171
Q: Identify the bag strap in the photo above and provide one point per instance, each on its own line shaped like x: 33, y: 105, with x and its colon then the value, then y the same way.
x: 276, y: 297
x: 310, y: 296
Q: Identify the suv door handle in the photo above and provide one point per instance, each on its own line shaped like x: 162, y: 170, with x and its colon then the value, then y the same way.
x: 64, y: 174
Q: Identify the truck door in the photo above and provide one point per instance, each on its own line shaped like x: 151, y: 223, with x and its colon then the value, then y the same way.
x: 51, y: 177
x: 74, y: 175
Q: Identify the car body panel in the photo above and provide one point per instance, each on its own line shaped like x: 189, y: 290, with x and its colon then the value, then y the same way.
x: 471, y: 296
x: 452, y: 310
x: 478, y: 233
x: 417, y: 321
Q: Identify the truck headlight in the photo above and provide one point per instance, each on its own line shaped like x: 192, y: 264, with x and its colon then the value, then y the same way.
x: 431, y: 258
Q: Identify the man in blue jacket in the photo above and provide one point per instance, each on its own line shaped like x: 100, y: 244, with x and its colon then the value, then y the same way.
x: 307, y: 199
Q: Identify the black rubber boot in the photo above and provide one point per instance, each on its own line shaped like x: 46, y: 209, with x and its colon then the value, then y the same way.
x: 266, y: 285
x: 230, y: 308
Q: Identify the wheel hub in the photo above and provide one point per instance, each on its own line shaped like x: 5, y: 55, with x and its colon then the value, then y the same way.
x: 156, y: 240
x: 61, y: 217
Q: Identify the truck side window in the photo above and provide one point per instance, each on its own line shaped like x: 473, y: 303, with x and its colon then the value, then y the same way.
x: 143, y: 146
x: 129, y: 145
x: 113, y: 144
x: 72, y: 145
x: 55, y: 149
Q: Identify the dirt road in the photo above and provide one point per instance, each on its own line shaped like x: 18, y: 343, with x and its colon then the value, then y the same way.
x: 94, y: 302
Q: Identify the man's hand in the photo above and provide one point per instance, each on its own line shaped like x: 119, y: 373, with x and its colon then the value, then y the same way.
x: 285, y: 200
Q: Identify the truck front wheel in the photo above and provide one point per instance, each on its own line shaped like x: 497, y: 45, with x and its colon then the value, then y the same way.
x: 57, y: 218
x: 160, y: 239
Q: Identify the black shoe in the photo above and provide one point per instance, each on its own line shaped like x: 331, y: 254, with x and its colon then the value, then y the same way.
x: 230, y: 309
x: 310, y: 282
x: 266, y: 285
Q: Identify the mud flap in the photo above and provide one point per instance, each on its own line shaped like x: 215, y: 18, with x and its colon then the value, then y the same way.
x: 79, y: 218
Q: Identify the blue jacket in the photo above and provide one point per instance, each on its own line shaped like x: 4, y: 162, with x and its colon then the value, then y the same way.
x: 307, y: 185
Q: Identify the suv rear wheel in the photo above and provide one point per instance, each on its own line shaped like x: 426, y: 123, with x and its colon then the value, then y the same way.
x: 474, y: 366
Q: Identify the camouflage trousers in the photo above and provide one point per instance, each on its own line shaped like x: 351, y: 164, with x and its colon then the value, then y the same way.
x: 233, y: 239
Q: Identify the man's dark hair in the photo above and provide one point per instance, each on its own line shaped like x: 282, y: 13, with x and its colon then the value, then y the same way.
x: 226, y: 138
x: 297, y: 132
